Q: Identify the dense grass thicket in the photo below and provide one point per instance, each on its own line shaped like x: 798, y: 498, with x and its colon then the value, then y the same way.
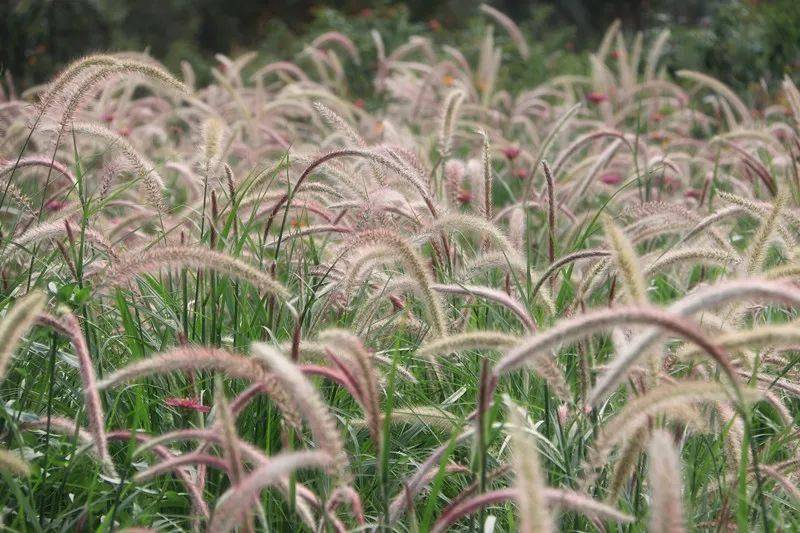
x: 260, y: 306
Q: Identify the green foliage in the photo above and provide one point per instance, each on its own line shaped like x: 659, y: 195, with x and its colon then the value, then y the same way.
x: 742, y: 43
x: 737, y: 41
x: 376, y: 306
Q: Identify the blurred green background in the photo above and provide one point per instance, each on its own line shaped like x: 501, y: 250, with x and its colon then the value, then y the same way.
x: 741, y: 42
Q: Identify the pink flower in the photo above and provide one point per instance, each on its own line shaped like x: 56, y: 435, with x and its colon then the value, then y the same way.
x: 692, y: 193
x: 397, y: 302
x: 359, y: 103
x: 597, y: 97
x: 520, y: 172
x: 563, y: 414
x: 464, y: 196
x: 611, y: 178
x: 511, y: 152
x: 454, y: 170
x: 187, y: 403
x: 107, y: 117
x: 54, y: 205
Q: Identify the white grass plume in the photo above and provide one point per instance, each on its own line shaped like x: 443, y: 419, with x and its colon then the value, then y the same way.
x: 310, y: 404
x: 171, y: 257
x: 661, y: 399
x: 448, y: 120
x: 236, y: 501
x: 414, y: 265
x: 627, y: 263
x: 67, y: 324
x: 705, y: 298
x: 17, y: 321
x: 534, y: 515
x: 511, y: 27
x: 472, y: 340
x: 666, y: 509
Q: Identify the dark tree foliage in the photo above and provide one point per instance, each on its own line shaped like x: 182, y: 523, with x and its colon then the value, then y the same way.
x: 738, y: 41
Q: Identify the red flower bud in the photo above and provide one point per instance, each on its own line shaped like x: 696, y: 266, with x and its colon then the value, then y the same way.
x: 187, y: 403
x: 611, y: 178
x: 596, y: 97
x: 511, y: 152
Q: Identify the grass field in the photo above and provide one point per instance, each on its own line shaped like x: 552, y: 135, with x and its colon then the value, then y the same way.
x: 262, y: 305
